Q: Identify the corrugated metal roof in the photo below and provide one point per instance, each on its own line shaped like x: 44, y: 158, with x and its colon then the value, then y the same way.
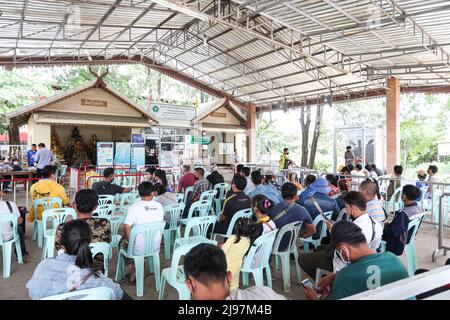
x: 260, y: 51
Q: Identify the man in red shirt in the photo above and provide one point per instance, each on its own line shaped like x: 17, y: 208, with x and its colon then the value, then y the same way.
x: 187, y: 180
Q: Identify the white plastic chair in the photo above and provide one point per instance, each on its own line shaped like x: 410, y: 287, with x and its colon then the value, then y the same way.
x: 7, y: 244
x: 245, y: 213
x: 57, y: 217
x: 103, y: 248
x: 199, y: 227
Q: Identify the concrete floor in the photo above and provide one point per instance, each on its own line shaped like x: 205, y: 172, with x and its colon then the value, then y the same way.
x: 14, y: 287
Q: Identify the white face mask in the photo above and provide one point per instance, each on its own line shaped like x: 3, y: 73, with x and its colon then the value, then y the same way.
x: 341, y: 256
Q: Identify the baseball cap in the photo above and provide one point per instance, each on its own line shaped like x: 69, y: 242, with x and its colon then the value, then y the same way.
x: 269, y: 173
x: 348, y: 232
x: 422, y: 173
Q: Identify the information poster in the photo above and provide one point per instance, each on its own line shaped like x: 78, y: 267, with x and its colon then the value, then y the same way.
x: 138, y: 155
x: 123, y: 154
x: 137, y: 138
x: 105, y: 153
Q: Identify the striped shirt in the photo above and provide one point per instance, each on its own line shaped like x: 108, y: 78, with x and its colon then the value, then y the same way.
x: 374, y: 208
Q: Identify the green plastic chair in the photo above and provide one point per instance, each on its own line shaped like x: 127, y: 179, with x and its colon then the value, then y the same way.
x: 45, y: 203
x: 115, y: 221
x: 105, y: 199
x: 221, y: 189
x: 187, y: 192
x: 264, y: 243
x: 103, y: 248
x: 174, y: 275
x: 100, y: 293
x: 180, y: 197
x: 199, y: 227
x: 175, y: 213
x: 126, y: 200
x: 292, y: 229
x: 150, y: 231
x: 395, y: 203
x: 410, y: 247
x: 105, y: 211
x: 6, y: 244
x: 56, y: 216
x: 316, y: 239
x: 200, y: 208
x: 245, y: 213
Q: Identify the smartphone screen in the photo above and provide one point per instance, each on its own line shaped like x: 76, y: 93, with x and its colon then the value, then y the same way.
x: 307, y: 283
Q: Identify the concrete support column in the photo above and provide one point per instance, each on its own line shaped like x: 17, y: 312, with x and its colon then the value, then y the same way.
x: 251, y: 133
x: 392, y: 124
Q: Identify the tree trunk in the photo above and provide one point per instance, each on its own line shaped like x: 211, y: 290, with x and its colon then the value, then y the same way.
x: 305, y: 123
x: 14, y: 136
x: 158, y: 88
x: 317, y: 127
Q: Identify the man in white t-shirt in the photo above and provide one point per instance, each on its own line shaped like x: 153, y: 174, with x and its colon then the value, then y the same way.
x: 143, y: 211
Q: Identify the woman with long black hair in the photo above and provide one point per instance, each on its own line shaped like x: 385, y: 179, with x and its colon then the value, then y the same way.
x: 71, y: 270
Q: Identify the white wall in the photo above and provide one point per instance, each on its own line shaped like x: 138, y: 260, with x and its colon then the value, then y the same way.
x: 38, y: 133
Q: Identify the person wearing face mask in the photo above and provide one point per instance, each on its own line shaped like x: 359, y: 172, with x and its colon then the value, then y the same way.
x: 366, y: 270
x: 327, y: 259
x: 207, y: 278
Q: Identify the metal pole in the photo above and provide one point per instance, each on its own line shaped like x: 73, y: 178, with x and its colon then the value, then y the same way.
x: 335, y: 151
x: 363, y: 144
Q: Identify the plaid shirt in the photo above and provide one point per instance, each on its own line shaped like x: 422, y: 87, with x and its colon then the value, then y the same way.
x: 199, y: 187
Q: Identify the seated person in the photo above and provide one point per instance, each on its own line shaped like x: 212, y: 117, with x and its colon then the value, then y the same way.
x: 331, y: 179
x: 107, y: 187
x: 215, y: 177
x: 250, y: 186
x: 395, y: 183
x: 207, y: 278
x: 269, y: 191
x: 326, y: 258
x: 396, y: 232
x: 187, y: 180
x: 344, y: 187
x: 6, y: 230
x: 163, y: 197
x: 320, y: 199
x: 86, y: 201
x: 309, y: 180
x: 289, y: 211
x: 237, y: 201
x: 270, y: 179
x: 52, y: 276
x: 369, y: 190
x: 237, y: 246
x: 143, y: 211
x: 47, y: 187
x: 200, y: 186
x: 261, y: 206
x: 366, y: 270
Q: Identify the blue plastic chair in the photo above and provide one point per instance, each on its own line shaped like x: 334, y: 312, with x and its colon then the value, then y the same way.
x: 126, y: 200
x: 150, y: 231
x: 410, y: 247
x: 45, y: 203
x: 245, y: 213
x: 6, y: 244
x: 106, y: 199
x: 105, y: 211
x: 115, y: 221
x: 187, y: 192
x: 199, y: 227
x: 292, y: 230
x: 103, y: 248
x: 264, y: 243
x: 395, y: 203
x: 221, y: 191
x: 200, y: 208
x: 174, y: 275
x: 56, y: 216
x: 100, y: 293
x: 321, y: 232
x: 175, y: 213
